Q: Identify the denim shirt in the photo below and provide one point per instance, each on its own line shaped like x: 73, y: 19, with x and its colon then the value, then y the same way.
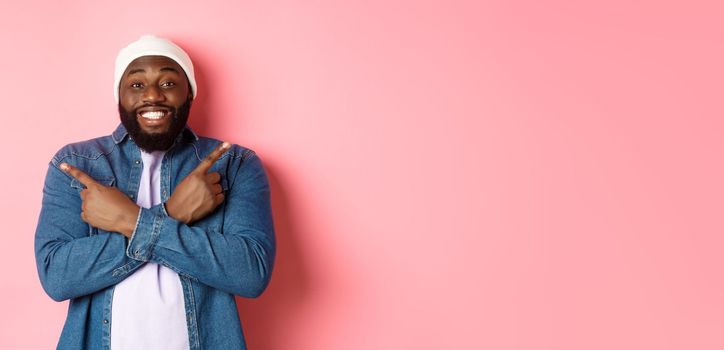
x: 229, y: 252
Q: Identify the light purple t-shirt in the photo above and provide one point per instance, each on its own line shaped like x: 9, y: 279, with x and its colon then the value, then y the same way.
x: 148, y: 306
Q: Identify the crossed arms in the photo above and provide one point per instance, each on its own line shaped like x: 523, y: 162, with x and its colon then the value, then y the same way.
x: 235, y: 257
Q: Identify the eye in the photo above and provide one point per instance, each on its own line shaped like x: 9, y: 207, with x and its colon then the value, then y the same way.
x: 168, y: 84
x: 136, y: 85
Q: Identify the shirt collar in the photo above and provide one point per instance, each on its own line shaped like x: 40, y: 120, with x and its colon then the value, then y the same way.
x: 120, y: 134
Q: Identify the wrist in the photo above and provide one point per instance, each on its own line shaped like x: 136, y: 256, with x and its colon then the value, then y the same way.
x: 170, y: 209
x: 128, y: 222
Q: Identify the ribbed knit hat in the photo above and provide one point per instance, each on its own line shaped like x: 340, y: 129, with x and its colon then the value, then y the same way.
x: 151, y: 45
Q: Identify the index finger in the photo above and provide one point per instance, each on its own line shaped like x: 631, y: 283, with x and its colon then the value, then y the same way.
x: 207, y: 162
x: 79, y: 175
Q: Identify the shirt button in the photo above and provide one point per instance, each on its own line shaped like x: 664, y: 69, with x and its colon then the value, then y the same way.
x: 105, y: 321
x: 138, y: 161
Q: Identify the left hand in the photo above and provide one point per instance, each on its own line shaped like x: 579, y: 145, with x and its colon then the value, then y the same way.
x: 200, y: 192
x: 106, y: 208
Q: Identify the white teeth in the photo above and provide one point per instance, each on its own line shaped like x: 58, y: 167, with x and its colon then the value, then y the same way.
x: 153, y: 114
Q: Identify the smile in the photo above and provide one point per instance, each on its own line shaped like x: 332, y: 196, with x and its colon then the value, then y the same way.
x: 153, y: 115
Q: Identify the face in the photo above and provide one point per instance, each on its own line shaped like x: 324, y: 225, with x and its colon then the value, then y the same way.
x: 155, y: 99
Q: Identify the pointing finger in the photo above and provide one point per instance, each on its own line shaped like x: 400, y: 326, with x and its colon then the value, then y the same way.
x: 78, y: 175
x: 207, y: 162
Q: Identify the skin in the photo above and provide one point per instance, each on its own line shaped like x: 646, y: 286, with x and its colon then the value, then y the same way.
x: 200, y: 192
x: 152, y: 83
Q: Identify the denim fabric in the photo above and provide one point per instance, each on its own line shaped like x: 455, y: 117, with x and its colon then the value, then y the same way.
x: 229, y: 252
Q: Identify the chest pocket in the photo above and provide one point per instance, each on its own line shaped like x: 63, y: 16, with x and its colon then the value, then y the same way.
x: 106, y: 181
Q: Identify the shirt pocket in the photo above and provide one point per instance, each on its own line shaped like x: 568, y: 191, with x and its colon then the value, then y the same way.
x: 105, y: 181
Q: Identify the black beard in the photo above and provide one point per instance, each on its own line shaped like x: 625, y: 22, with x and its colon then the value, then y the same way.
x: 155, y: 141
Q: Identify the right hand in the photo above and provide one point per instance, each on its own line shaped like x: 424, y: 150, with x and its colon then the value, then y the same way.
x: 103, y: 207
x: 200, y: 192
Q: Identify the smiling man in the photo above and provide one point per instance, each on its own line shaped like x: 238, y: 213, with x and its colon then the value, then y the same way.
x: 152, y: 230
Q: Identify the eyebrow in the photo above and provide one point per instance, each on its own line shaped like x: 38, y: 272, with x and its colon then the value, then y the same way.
x: 170, y: 69
x: 164, y: 69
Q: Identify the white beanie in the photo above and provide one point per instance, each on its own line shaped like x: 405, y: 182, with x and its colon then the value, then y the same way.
x: 150, y: 45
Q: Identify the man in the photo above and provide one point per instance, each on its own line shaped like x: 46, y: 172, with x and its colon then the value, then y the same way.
x: 152, y: 230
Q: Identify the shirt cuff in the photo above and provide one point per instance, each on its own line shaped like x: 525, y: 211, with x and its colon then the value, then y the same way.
x: 163, y: 208
x: 144, y: 236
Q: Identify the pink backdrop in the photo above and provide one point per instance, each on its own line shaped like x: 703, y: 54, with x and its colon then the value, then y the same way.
x: 445, y: 174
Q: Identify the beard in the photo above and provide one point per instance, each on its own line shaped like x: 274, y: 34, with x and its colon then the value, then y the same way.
x: 162, y: 141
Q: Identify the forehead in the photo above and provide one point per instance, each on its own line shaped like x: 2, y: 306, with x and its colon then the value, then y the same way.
x: 150, y: 64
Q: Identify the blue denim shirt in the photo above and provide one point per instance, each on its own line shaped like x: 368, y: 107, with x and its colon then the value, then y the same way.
x: 229, y: 252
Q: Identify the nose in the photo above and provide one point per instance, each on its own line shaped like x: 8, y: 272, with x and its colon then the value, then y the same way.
x: 153, y: 94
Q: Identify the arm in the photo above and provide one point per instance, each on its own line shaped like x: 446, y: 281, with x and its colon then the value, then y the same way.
x: 237, y: 257
x: 70, y: 262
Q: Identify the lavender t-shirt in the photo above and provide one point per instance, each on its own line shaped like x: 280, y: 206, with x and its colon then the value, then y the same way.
x: 148, y: 306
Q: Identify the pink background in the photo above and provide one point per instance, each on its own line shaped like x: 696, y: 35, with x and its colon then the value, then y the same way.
x: 445, y: 174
